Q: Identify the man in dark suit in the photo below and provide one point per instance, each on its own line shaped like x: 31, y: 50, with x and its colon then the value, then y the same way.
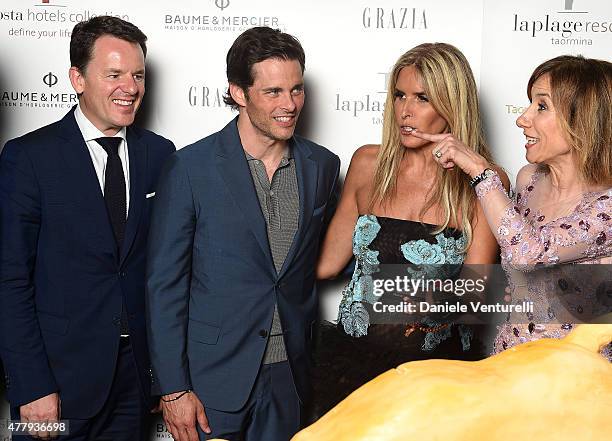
x: 236, y: 230
x: 74, y: 215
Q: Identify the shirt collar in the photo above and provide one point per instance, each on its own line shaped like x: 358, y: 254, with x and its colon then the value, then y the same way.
x: 287, y: 154
x: 88, y: 130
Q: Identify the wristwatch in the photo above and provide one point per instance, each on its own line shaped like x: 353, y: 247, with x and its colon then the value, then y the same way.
x: 486, y: 174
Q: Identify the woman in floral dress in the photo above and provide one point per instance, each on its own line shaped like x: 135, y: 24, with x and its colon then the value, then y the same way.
x: 563, y: 206
x: 398, y: 207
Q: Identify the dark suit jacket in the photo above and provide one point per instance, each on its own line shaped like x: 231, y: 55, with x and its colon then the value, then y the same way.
x: 61, y: 279
x: 211, y: 279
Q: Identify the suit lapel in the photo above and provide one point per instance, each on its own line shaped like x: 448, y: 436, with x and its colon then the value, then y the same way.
x: 80, y: 168
x: 235, y: 171
x: 138, y: 163
x: 306, y: 172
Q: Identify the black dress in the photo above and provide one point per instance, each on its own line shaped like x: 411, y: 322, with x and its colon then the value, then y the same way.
x: 353, y: 352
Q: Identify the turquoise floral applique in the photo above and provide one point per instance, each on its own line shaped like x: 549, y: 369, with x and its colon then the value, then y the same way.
x: 421, y: 252
x: 446, y: 250
x: 432, y: 260
x: 353, y: 315
x: 466, y: 337
x: 439, y: 260
x: 433, y: 339
x: 453, y: 248
x: 366, y: 229
x: 355, y: 319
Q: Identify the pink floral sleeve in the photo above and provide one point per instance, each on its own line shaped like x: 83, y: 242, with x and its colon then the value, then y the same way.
x: 585, y: 234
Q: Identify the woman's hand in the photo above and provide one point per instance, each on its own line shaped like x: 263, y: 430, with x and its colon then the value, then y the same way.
x: 449, y: 151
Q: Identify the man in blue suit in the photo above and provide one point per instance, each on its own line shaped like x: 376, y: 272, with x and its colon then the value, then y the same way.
x: 234, y: 240
x: 75, y: 202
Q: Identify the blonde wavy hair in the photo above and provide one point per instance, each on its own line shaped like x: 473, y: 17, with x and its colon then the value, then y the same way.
x: 449, y: 83
x: 581, y: 91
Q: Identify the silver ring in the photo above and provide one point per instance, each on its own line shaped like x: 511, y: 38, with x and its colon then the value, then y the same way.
x: 438, y: 154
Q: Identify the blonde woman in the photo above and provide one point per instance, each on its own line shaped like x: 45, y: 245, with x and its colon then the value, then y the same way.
x: 399, y: 207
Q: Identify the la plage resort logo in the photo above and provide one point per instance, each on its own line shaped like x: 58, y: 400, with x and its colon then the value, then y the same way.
x: 571, y: 25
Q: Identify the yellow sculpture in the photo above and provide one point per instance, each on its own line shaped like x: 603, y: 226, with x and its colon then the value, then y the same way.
x: 550, y: 389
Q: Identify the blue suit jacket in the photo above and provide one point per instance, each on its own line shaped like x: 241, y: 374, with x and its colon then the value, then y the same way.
x: 61, y: 279
x: 211, y: 279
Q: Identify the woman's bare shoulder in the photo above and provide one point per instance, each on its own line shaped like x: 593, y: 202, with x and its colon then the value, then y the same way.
x: 365, y: 157
x: 363, y: 164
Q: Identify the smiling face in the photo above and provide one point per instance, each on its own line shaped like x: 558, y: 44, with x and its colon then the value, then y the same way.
x: 540, y: 124
x: 112, y: 86
x: 413, y: 109
x: 273, y: 103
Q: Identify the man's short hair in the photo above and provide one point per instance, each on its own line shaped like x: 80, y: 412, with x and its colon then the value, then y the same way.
x: 85, y: 34
x: 253, y: 46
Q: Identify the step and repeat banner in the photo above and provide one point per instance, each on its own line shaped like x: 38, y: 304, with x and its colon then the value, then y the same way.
x: 350, y: 45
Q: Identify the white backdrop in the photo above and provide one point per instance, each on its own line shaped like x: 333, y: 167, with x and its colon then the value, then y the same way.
x: 350, y: 46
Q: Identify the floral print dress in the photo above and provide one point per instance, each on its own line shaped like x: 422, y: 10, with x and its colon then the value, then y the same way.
x: 382, y: 240
x: 353, y: 351
x: 532, y: 246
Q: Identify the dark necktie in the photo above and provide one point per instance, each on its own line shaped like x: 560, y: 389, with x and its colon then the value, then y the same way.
x: 114, y: 187
x: 116, y: 204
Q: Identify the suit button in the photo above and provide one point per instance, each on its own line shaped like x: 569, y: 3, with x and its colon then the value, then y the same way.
x: 122, y: 273
x: 263, y: 333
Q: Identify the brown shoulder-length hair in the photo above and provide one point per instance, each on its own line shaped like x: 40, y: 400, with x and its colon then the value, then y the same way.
x: 449, y: 84
x: 581, y: 91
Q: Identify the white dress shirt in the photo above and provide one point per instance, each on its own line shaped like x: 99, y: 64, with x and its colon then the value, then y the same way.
x: 99, y: 155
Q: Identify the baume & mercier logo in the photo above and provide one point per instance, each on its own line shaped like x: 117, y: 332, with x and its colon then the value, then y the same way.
x: 569, y: 26
x: 162, y: 432
x: 37, y: 98
x: 222, y: 4
x: 215, y: 22
x: 394, y: 18
x: 50, y: 79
